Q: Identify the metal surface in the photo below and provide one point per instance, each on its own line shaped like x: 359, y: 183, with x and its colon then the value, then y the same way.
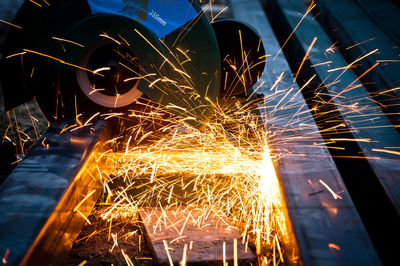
x: 39, y: 217
x: 365, y: 26
x: 203, y: 232
x: 376, y: 173
x: 385, y: 14
x: 317, y: 219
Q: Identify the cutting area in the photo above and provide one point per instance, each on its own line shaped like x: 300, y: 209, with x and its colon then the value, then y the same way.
x: 206, y: 132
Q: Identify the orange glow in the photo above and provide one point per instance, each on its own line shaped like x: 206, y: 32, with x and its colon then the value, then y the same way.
x: 4, y: 260
x: 335, y: 196
x: 334, y: 246
x: 45, y: 145
x: 305, y: 58
x: 226, y: 176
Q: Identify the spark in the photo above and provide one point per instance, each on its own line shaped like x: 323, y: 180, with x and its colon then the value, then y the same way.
x: 83, y: 216
x: 387, y: 60
x: 235, y: 255
x: 80, y: 127
x: 127, y: 259
x: 184, y: 53
x: 242, y: 52
x: 184, y: 256
x: 167, y: 251
x: 82, y: 263
x: 345, y: 139
x: 91, y: 118
x: 66, y: 127
x: 184, y: 224
x: 391, y: 90
x: 386, y: 151
x: 219, y: 13
x: 334, y: 246
x: 4, y: 260
x: 182, y: 72
x: 331, y: 49
x: 224, y: 253
x: 305, y: 58
x: 140, y: 77
x: 335, y: 196
x: 109, y: 37
x: 68, y: 41
x: 101, y: 69
x: 39, y: 5
x: 11, y: 24
x: 9, y: 56
x: 155, y: 49
x: 354, y: 45
x: 309, y: 9
x: 123, y: 39
x: 84, y: 199
x: 60, y: 61
x: 323, y: 63
x: 143, y: 258
x: 277, y: 81
x: 45, y: 145
x: 349, y: 87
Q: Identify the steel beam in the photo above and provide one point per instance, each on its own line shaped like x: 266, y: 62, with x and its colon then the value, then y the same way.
x: 366, y: 166
x: 319, y: 221
x: 41, y: 207
x: 358, y: 30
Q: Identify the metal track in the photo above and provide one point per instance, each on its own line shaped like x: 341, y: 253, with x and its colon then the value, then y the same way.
x: 363, y: 165
x: 40, y: 217
x: 317, y: 219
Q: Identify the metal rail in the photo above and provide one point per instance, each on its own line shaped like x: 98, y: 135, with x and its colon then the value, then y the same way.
x: 318, y: 220
x: 39, y: 212
x: 365, y: 167
x: 375, y: 27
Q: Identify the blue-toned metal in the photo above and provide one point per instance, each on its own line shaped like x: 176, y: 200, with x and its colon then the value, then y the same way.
x: 317, y: 219
x: 39, y: 217
x: 360, y: 28
x: 364, y: 168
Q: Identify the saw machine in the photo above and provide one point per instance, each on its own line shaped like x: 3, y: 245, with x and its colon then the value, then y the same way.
x: 125, y: 57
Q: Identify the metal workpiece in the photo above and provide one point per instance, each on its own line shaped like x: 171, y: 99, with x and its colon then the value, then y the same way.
x: 372, y: 123
x: 317, y: 219
x: 206, y: 243
x: 378, y: 172
x: 44, y: 200
x: 360, y: 28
